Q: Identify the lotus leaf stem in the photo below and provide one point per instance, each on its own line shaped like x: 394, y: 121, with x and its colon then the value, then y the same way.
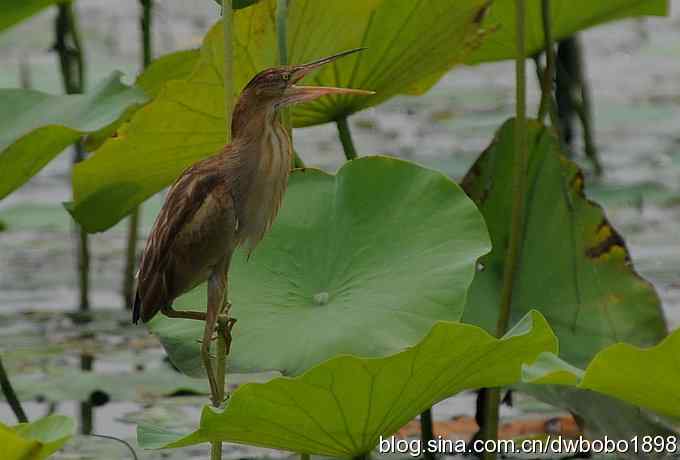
x: 11, y: 396
x: 346, y: 138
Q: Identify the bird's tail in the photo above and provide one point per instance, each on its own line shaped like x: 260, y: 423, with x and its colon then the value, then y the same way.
x: 136, y: 307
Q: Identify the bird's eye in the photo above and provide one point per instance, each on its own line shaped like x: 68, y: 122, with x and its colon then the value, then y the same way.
x: 285, y: 77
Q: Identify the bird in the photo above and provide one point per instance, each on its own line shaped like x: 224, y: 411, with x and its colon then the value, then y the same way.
x: 226, y: 201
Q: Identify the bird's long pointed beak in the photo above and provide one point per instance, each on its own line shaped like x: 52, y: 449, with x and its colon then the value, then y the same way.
x: 295, y: 93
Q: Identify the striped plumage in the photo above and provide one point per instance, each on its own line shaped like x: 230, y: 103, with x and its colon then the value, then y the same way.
x: 216, y: 205
x: 222, y: 202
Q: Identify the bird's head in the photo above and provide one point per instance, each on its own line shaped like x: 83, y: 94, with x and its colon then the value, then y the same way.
x: 278, y: 86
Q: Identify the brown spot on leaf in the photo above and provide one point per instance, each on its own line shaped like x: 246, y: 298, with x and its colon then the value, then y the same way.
x: 471, y: 177
x: 609, y: 240
x: 481, y: 13
x: 577, y: 183
x: 474, y: 174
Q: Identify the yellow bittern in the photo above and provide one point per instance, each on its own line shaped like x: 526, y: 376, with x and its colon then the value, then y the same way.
x: 224, y: 201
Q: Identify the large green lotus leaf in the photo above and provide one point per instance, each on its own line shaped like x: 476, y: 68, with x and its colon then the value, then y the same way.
x: 646, y: 377
x: 363, y: 262
x: 342, y: 406
x: 574, y: 267
x: 36, y: 440
x: 37, y: 126
x: 171, y: 66
x: 13, y: 12
x: 184, y: 123
x: 567, y: 17
x: 408, y: 43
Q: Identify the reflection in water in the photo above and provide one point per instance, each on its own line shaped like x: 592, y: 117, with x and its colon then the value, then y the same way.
x: 86, y: 406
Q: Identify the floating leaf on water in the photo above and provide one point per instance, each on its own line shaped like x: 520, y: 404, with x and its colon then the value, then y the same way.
x: 77, y: 385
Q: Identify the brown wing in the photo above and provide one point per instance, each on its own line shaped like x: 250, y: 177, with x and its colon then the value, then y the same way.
x: 183, y: 201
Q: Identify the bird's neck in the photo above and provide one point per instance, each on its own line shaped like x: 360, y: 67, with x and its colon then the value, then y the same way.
x: 261, y: 137
x: 251, y: 116
x: 264, y: 157
x: 251, y: 127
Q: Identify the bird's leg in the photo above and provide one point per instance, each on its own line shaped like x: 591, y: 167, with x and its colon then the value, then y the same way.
x: 209, y: 329
x: 186, y: 314
x: 225, y: 322
x: 216, y: 293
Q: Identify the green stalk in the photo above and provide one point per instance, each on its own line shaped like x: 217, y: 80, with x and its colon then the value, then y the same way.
x: 224, y: 338
x: 220, y: 372
x: 122, y: 441
x: 282, y: 42
x: 427, y: 432
x: 549, y: 72
x: 551, y: 103
x: 72, y: 66
x: 145, y: 25
x: 573, y: 97
x: 224, y: 325
x: 346, y: 138
x: 11, y: 396
x: 83, y: 250
x: 86, y: 407
x: 130, y: 256
x: 584, y: 111
x: 304, y: 456
x: 25, y: 75
x: 548, y: 76
x: 492, y: 402
x: 222, y: 347
x: 519, y: 178
x: 133, y: 221
x: 282, y: 30
x: 227, y: 18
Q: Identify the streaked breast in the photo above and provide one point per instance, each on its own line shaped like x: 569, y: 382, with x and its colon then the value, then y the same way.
x: 268, y: 184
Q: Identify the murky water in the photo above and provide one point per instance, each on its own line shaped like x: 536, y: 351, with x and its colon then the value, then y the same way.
x: 634, y: 70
